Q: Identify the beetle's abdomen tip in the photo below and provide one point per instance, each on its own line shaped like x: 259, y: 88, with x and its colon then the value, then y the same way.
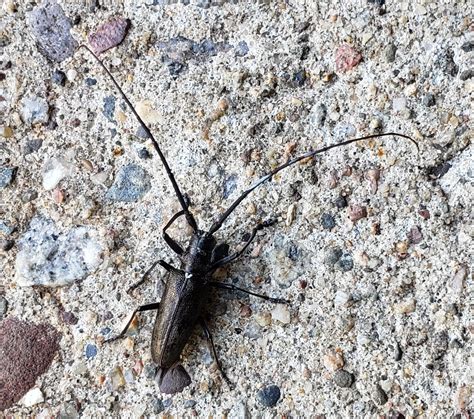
x: 173, y: 380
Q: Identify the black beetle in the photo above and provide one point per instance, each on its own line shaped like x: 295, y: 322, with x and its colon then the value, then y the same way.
x: 188, y: 287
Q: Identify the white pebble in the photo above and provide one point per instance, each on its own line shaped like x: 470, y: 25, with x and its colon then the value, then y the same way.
x: 399, y: 104
x: 281, y: 313
x: 34, y: 396
x: 54, y: 171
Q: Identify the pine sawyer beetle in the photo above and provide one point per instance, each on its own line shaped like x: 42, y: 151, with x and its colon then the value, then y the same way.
x: 189, y: 286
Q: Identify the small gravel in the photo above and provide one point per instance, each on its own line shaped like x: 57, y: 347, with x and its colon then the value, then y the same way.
x: 268, y: 396
x: 343, y: 378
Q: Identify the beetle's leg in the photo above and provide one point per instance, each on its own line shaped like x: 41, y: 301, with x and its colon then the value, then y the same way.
x: 146, y: 307
x: 165, y: 265
x: 169, y: 241
x: 233, y: 287
x: 210, y: 342
x: 230, y: 258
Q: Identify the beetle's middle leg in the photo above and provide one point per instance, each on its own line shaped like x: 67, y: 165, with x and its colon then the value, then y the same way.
x: 146, y: 307
x: 233, y: 287
x: 165, y: 265
x: 210, y: 342
x: 232, y: 257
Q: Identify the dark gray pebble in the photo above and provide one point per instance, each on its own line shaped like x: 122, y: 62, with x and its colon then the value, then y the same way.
x: 397, y: 353
x: 69, y: 318
x: 59, y: 77
x: 158, y: 406
x: 320, y: 114
x: 188, y: 404
x: 439, y: 344
x: 268, y: 396
x: 32, y: 146
x: 91, y: 351
x: 6, y: 244
x: 109, y: 108
x: 90, y: 81
x: 466, y: 74
x: 29, y: 195
x: 7, y: 175
x: 343, y: 378
x: 241, y: 49
x: 345, y: 263
x: 131, y: 184
x: 149, y: 371
x: 467, y: 46
x: 299, y: 78
x: 340, y: 202
x: 144, y: 154
x: 51, y: 28
x: 332, y: 256
x: 327, y: 221
x: 379, y: 396
x: 141, y: 133
x: 390, y: 52
x: 428, y: 100
x: 3, y: 306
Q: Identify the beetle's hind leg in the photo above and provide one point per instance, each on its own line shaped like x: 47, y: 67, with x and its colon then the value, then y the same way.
x: 210, y: 342
x: 146, y: 307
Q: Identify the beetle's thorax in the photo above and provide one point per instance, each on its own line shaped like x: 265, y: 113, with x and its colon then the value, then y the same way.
x: 198, y: 255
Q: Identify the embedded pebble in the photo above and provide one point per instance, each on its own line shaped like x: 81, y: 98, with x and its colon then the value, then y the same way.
x: 405, y: 307
x: 268, y: 396
x: 399, y: 104
x: 59, y: 77
x: 130, y: 185
x: 33, y: 397
x: 357, y: 212
x: 34, y: 110
x: 50, y: 257
x: 7, y: 175
x: 32, y: 146
x: 55, y: 170
x: 332, y: 256
x: 379, y: 396
x: 373, y: 175
x: 327, y: 221
x: 109, y: 35
x: 51, y: 29
x: 457, y: 283
x: 347, y: 57
x: 342, y: 298
x: 345, y: 263
x: 281, y: 313
x: 343, y: 378
x: 116, y: 378
x: 68, y: 411
x: 414, y: 235
x: 239, y: 411
x: 333, y: 361
x: 91, y: 351
x: 28, y: 351
x: 3, y: 306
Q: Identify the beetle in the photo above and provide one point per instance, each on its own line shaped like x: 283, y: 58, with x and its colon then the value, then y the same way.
x: 189, y: 285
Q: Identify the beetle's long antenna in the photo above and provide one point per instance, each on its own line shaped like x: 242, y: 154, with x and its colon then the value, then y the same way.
x: 269, y: 176
x: 189, y: 217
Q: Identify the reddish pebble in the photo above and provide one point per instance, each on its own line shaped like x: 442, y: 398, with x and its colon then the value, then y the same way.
x: 424, y: 213
x: 245, y: 311
x: 356, y: 212
x: 58, y: 195
x: 347, y: 58
x: 109, y: 35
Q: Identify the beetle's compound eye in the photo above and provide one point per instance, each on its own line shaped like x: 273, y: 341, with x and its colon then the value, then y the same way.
x: 174, y: 380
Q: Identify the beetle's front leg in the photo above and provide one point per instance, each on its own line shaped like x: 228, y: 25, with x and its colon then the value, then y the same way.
x: 146, y: 307
x: 169, y: 241
x: 230, y: 258
x: 233, y: 287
